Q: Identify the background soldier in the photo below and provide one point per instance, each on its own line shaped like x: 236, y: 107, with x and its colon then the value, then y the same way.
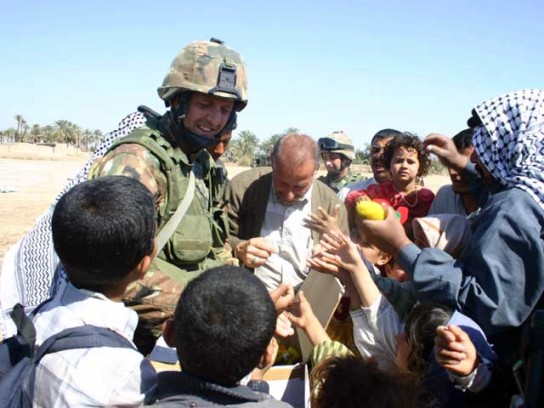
x: 205, y: 86
x: 337, y: 152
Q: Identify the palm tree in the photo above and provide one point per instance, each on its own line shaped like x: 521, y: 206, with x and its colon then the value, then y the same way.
x: 65, y: 131
x: 35, y: 132
x: 20, y: 120
x: 244, y: 147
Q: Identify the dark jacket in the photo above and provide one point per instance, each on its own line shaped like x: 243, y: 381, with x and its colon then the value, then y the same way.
x: 246, y: 197
x: 179, y: 389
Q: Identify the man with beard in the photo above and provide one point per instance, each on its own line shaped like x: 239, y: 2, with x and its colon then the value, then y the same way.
x: 379, y: 170
x: 267, y: 207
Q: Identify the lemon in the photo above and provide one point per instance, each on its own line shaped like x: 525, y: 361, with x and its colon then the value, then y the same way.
x: 370, y: 210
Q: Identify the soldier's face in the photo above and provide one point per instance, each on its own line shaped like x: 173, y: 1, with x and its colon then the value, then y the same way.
x: 207, y: 114
x: 332, y: 161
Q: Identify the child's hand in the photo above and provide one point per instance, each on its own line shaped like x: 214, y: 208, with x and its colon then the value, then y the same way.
x: 282, y: 296
x: 340, y: 250
x: 284, y: 328
x: 323, y: 222
x: 455, y: 351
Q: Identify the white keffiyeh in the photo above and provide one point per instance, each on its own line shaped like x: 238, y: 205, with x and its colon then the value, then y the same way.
x: 29, y: 266
x: 510, y: 141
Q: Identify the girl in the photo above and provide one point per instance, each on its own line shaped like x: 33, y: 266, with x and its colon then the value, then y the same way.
x: 407, y: 162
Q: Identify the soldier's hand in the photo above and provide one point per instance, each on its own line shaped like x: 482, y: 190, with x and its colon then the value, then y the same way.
x: 255, y: 251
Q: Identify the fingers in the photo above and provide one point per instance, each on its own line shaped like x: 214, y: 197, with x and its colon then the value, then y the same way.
x: 282, y: 296
x: 284, y: 328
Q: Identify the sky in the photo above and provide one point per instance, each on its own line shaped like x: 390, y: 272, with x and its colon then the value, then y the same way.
x: 320, y: 66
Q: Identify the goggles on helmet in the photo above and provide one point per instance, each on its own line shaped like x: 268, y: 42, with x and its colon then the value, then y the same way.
x: 326, y: 143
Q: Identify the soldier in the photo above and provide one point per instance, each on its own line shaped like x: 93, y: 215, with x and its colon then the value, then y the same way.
x: 205, y: 86
x: 337, y: 152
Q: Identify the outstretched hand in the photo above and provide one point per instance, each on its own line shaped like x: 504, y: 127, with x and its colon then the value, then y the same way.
x: 323, y: 222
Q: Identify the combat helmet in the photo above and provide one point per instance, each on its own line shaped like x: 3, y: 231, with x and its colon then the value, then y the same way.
x: 209, y: 67
x: 337, y: 142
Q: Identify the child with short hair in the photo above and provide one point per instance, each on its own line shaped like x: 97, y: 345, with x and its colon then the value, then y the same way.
x: 104, y: 234
x: 408, y: 162
x: 222, y: 329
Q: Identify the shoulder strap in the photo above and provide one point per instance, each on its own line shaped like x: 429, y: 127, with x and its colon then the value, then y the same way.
x: 166, y: 232
x: 79, y: 337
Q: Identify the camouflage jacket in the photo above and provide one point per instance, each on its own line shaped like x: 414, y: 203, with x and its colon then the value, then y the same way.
x: 148, y: 155
x: 337, y: 185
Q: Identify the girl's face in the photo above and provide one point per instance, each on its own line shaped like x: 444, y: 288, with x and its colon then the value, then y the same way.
x: 404, y: 165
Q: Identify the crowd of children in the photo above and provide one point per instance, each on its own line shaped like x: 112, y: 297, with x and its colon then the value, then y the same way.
x: 438, y: 303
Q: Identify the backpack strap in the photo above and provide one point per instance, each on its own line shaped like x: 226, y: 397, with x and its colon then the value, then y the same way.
x: 80, y: 337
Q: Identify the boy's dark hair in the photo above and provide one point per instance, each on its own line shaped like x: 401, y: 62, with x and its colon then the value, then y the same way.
x: 351, y: 382
x: 420, y: 328
x: 382, y: 134
x: 408, y: 141
x: 463, y: 139
x: 102, y: 229
x: 223, y: 322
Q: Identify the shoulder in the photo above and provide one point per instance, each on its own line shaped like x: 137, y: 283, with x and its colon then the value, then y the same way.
x: 243, y: 180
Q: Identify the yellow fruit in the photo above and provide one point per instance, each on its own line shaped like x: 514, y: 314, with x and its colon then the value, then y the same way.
x: 370, y: 210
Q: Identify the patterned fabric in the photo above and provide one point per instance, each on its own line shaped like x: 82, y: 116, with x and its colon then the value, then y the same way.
x: 102, y: 376
x: 29, y: 267
x: 338, y: 185
x: 449, y: 232
x: 328, y: 349
x: 510, y: 141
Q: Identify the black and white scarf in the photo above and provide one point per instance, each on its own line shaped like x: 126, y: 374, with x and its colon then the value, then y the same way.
x: 510, y: 140
x: 29, y: 266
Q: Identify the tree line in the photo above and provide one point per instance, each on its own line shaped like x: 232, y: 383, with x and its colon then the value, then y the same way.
x: 245, y: 149
x: 61, y: 131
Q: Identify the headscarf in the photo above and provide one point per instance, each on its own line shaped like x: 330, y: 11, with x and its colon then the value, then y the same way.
x: 449, y: 232
x: 510, y: 140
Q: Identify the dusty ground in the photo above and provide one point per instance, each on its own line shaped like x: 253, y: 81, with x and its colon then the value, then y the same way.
x: 36, y: 174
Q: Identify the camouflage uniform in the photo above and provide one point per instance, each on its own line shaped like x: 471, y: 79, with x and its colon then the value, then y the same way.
x: 152, y: 154
x: 338, y: 184
x: 339, y: 142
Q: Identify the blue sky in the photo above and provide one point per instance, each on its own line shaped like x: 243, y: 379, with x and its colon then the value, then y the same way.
x: 320, y: 66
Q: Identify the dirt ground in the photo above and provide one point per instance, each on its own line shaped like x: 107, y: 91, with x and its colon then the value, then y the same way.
x: 31, y: 177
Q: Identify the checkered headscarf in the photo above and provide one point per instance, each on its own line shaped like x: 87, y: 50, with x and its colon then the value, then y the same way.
x: 510, y: 140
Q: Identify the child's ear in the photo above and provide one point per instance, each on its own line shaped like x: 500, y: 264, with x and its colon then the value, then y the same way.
x: 383, y: 259
x: 168, y: 333
x: 145, y: 263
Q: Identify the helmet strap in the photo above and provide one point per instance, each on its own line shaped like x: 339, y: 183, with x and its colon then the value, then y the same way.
x: 193, y: 141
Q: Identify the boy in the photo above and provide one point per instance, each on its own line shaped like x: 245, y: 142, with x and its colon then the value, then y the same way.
x: 222, y: 329
x: 104, y: 234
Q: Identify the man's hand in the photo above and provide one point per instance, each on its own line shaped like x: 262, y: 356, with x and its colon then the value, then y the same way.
x: 254, y: 252
x: 388, y: 235
x: 455, y: 351
x: 444, y: 148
